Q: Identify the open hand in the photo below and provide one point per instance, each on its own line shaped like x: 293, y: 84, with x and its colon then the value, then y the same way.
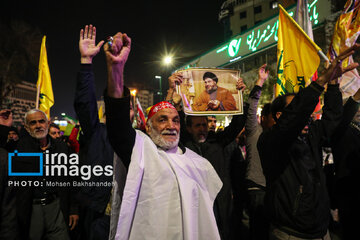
x: 335, y: 69
x: 87, y: 46
x: 263, y: 75
x: 6, y: 117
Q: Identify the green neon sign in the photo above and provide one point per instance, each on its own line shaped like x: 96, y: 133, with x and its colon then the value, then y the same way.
x: 263, y: 34
x: 234, y: 47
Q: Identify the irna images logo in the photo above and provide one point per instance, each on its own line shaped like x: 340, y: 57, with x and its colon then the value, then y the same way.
x: 54, y: 165
x: 25, y: 164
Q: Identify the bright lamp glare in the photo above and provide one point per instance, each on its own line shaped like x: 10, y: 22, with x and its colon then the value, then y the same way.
x: 168, y: 60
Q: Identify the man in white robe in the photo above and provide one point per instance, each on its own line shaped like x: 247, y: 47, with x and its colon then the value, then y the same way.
x: 169, y: 190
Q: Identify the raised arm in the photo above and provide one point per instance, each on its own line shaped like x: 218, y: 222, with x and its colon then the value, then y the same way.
x: 237, y: 123
x: 351, y: 107
x: 85, y: 97
x: 251, y: 123
x: 295, y: 116
x: 120, y: 131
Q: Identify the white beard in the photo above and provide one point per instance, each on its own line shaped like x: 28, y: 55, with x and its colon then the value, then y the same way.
x: 39, y: 135
x: 161, y: 142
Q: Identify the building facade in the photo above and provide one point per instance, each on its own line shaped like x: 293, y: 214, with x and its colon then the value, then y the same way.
x: 146, y: 98
x: 21, y: 99
x: 241, y: 15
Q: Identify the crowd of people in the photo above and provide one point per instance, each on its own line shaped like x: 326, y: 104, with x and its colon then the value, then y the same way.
x: 180, y: 177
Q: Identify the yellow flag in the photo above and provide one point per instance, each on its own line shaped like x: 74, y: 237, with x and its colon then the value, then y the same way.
x: 297, y: 56
x: 44, y: 86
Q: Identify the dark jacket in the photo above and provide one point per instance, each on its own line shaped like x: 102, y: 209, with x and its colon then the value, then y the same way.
x: 8, y: 226
x: 345, y: 146
x: 213, y: 150
x: 345, y: 143
x: 254, y: 175
x: 296, y: 196
x: 24, y: 195
x: 95, y: 148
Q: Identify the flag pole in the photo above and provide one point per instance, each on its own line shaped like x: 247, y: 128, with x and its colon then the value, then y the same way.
x: 37, y: 96
x: 323, y: 56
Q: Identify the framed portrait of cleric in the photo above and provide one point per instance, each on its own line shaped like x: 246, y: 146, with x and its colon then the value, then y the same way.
x: 210, y: 91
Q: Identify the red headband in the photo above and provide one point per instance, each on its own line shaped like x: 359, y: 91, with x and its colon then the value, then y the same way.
x: 159, y: 106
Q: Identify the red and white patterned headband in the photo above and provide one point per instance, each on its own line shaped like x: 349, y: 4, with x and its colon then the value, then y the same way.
x: 159, y: 106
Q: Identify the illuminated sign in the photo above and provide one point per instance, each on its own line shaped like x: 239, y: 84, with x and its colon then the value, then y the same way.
x: 259, y: 38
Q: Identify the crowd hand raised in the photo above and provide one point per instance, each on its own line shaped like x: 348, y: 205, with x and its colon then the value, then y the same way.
x: 240, y: 85
x: 6, y: 117
x: 87, y: 46
x: 335, y: 69
x: 120, y: 49
x: 175, y: 79
x: 173, y: 96
x: 263, y: 75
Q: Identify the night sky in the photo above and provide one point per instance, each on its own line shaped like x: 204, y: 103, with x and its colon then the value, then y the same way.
x: 185, y: 28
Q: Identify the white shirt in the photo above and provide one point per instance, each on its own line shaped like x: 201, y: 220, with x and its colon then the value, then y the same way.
x: 168, y: 195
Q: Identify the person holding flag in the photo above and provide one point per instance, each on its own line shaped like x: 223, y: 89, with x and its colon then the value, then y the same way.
x: 296, y: 200
x: 298, y: 56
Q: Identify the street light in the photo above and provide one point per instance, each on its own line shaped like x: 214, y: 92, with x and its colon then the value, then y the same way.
x: 159, y: 77
x: 133, y: 92
x: 167, y: 60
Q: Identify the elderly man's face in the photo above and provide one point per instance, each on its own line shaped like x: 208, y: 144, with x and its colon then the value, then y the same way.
x: 37, y: 125
x: 164, y: 128
x: 210, y: 85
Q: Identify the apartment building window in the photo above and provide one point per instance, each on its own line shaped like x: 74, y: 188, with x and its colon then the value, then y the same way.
x: 243, y: 28
x: 257, y: 9
x: 243, y: 15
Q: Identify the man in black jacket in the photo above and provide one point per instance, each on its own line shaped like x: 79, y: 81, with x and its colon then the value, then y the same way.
x: 346, y: 151
x: 296, y: 198
x: 42, y: 211
x: 8, y: 225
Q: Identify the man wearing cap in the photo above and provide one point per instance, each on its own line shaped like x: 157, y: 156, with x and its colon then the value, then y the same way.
x: 214, y: 98
x: 170, y: 190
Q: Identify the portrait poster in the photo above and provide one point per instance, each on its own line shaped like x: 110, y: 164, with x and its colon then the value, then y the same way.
x: 210, y: 91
